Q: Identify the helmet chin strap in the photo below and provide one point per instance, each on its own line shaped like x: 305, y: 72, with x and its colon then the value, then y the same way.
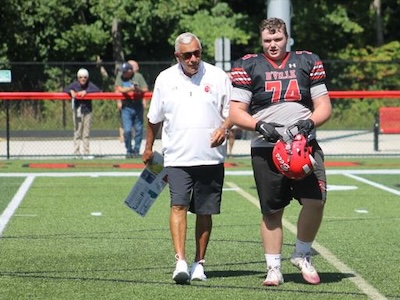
x: 290, y: 133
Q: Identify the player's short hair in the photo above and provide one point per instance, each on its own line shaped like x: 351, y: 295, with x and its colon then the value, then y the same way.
x: 186, y: 38
x: 273, y: 25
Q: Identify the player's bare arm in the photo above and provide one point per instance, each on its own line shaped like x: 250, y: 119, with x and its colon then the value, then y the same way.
x: 322, y: 110
x: 238, y: 115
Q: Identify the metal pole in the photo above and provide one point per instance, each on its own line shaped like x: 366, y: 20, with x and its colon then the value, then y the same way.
x: 64, y: 119
x: 8, y: 127
x: 281, y: 9
x: 223, y: 53
x: 376, y: 133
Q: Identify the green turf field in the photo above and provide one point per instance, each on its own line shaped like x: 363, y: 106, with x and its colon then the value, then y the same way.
x: 53, y: 247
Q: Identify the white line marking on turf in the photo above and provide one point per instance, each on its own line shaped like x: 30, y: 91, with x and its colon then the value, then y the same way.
x: 229, y: 189
x: 15, y: 202
x: 341, y: 187
x: 363, y: 285
x: 96, y: 214
x: 25, y: 215
x: 373, y: 183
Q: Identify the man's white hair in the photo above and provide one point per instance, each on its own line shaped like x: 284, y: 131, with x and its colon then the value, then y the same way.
x: 82, y: 72
x: 186, y: 38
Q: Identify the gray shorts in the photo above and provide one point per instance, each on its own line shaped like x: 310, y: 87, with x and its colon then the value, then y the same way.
x: 275, y: 191
x: 198, y: 187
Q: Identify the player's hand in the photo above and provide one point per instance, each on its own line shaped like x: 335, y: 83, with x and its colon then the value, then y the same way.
x: 305, y: 126
x: 268, y: 131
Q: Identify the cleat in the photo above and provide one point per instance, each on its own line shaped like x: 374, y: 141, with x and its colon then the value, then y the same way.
x: 303, y: 263
x: 274, y: 277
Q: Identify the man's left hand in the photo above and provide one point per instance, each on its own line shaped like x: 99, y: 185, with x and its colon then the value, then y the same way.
x: 218, y: 137
x: 305, y: 126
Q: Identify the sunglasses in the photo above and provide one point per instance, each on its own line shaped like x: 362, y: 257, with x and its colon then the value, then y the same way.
x: 188, y: 55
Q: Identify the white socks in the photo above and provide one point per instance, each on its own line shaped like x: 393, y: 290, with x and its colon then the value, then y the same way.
x: 273, y: 260
x: 303, y: 247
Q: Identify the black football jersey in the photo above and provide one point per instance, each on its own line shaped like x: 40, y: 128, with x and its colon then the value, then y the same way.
x: 272, y: 84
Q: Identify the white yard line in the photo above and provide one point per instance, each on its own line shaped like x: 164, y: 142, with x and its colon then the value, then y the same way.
x: 363, y: 285
x: 373, y: 183
x: 15, y: 202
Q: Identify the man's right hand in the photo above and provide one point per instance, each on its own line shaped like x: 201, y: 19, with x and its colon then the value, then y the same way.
x: 147, y: 156
x: 268, y: 131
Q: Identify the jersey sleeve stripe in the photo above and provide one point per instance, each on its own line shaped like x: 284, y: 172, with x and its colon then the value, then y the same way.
x: 318, y: 71
x: 240, y: 77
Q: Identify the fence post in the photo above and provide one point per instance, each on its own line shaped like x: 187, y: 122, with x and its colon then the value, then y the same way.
x: 376, y: 133
x: 7, y: 104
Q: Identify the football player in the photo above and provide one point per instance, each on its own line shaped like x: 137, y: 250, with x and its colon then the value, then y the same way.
x: 272, y: 91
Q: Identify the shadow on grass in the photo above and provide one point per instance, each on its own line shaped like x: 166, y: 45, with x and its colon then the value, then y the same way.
x: 325, y: 278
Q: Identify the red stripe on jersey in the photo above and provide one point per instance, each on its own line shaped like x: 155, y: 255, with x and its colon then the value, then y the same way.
x: 240, y: 76
x: 318, y: 71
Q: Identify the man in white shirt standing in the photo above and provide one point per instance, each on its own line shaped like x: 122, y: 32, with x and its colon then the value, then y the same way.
x: 191, y: 102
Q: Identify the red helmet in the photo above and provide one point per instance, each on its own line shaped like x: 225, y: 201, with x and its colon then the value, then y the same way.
x: 293, y: 158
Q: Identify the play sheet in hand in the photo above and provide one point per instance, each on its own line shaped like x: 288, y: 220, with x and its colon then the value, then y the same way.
x: 148, y: 187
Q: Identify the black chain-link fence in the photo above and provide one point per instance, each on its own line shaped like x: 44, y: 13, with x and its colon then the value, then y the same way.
x: 43, y: 128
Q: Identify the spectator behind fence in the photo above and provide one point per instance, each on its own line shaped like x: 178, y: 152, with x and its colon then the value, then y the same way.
x: 137, y: 77
x: 190, y: 100
x: 131, y: 108
x: 82, y: 110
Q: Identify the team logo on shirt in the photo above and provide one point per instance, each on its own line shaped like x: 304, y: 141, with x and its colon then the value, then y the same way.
x: 275, y: 75
x: 207, y: 88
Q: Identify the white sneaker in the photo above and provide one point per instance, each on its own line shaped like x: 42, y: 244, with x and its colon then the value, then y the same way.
x: 303, y: 263
x: 181, y: 273
x: 274, y: 277
x: 197, y: 271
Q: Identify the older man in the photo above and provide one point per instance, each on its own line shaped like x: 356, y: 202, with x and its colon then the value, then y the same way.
x: 191, y: 100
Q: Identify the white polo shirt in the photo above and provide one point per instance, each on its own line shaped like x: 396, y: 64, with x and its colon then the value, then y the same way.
x: 191, y: 108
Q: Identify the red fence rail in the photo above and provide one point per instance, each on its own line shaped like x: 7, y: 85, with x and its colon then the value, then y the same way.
x: 7, y: 96
x: 147, y: 95
x: 65, y: 96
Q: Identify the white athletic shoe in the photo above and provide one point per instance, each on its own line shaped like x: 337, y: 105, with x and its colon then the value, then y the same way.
x: 181, y: 273
x: 274, y: 277
x: 197, y: 271
x: 303, y: 263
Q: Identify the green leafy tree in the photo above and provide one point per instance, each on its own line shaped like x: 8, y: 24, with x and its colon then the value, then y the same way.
x: 204, y: 24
